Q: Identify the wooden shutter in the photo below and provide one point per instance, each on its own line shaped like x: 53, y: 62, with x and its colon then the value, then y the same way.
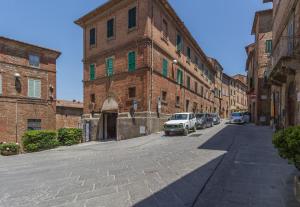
x: 37, y: 88
x: 109, y: 66
x: 131, y: 62
x: 92, y: 72
x: 30, y: 88
x: 165, y: 68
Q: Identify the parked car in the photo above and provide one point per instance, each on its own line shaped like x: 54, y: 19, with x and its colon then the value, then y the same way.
x: 204, y: 120
x: 180, y: 123
x: 237, y: 118
x: 247, y: 117
x: 216, y: 119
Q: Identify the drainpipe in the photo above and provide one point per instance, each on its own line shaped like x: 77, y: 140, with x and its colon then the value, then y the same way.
x: 16, y: 120
x: 151, y: 71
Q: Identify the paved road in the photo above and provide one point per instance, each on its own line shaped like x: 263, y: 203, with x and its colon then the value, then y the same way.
x: 221, y: 166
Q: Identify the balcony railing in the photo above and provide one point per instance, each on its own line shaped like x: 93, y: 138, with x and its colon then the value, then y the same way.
x: 286, y: 47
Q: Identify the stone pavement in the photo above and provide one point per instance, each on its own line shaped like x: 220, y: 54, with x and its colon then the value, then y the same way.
x: 220, y: 166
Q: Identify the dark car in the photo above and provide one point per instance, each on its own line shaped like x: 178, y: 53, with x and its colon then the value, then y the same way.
x: 216, y: 119
x: 204, y: 120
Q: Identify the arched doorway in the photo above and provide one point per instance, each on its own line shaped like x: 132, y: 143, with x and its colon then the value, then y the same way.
x: 109, y: 111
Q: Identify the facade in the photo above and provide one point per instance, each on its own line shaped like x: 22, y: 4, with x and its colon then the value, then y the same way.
x: 237, y: 95
x: 218, y: 86
x: 225, y: 102
x: 27, y: 88
x: 141, y: 64
x: 284, y: 67
x: 68, y: 114
x: 259, y: 54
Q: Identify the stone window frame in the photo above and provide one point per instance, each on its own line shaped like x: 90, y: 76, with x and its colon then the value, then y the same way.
x: 29, y: 60
x: 89, y: 35
x: 136, y: 18
x: 114, y: 28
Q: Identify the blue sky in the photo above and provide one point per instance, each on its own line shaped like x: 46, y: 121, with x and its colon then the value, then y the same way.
x: 221, y: 27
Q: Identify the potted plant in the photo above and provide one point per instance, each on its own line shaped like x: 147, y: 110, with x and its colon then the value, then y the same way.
x: 8, y: 149
x: 287, y: 141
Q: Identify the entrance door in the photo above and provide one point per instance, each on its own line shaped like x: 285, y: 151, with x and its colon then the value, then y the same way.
x: 110, y: 126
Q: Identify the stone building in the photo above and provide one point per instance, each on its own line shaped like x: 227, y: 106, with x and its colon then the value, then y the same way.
x: 284, y: 68
x: 141, y: 64
x: 237, y: 95
x: 27, y: 88
x: 257, y: 65
x: 68, y: 114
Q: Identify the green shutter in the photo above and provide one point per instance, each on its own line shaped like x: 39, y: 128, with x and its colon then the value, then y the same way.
x: 109, y: 66
x: 179, y: 76
x: 37, y: 88
x: 165, y: 68
x: 92, y: 72
x: 131, y: 62
x: 31, y: 88
x: 269, y: 46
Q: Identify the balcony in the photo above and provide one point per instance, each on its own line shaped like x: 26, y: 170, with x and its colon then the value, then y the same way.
x: 285, y: 59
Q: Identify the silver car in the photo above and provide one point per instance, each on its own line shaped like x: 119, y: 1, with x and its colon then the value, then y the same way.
x: 237, y: 118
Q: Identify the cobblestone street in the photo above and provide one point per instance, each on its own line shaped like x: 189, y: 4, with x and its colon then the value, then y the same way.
x: 222, y: 166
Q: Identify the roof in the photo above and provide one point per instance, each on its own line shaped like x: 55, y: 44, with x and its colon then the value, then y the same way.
x: 69, y: 104
x: 24, y: 44
x: 257, y: 14
x: 166, y: 6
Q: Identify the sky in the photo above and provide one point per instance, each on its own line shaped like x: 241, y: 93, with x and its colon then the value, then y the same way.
x: 221, y: 27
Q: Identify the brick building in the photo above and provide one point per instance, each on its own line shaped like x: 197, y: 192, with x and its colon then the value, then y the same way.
x: 259, y: 54
x: 27, y: 88
x: 218, y: 86
x: 141, y: 64
x: 237, y: 95
x: 68, y: 114
x: 284, y: 69
x: 225, y: 102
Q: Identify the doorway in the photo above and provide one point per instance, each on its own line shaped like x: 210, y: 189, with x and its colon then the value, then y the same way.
x: 110, y: 126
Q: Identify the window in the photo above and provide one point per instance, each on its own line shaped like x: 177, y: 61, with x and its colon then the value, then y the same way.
x: 188, y: 82
x: 179, y: 43
x: 132, y: 92
x: 131, y: 61
x: 165, y: 68
x: 109, y: 66
x: 202, y: 91
x: 177, y: 100
x: 132, y: 18
x: 269, y: 46
x: 92, y: 36
x: 179, y: 77
x: 34, y: 61
x: 92, y: 72
x: 187, y: 105
x: 93, y: 98
x: 34, y: 124
x: 165, y: 29
x: 196, y: 61
x: 196, y: 87
x: 0, y: 84
x: 34, y: 88
x: 110, y: 28
x: 164, y: 96
x: 188, y: 51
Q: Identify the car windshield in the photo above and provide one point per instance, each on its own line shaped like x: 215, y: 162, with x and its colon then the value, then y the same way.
x: 199, y: 116
x: 179, y: 117
x: 236, y: 114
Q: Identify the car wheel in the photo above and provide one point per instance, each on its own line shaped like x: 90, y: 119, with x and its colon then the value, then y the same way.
x: 186, y: 132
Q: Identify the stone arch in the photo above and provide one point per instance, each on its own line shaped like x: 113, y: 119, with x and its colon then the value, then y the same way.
x: 110, y: 104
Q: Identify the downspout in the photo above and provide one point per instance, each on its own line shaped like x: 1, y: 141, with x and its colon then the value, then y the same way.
x: 151, y: 70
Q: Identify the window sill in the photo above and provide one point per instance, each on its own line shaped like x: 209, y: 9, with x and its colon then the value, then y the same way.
x: 177, y: 105
x: 93, y: 46
x: 165, y: 39
x: 179, y: 52
x: 111, y: 38
x: 188, y: 62
x: 132, y: 29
